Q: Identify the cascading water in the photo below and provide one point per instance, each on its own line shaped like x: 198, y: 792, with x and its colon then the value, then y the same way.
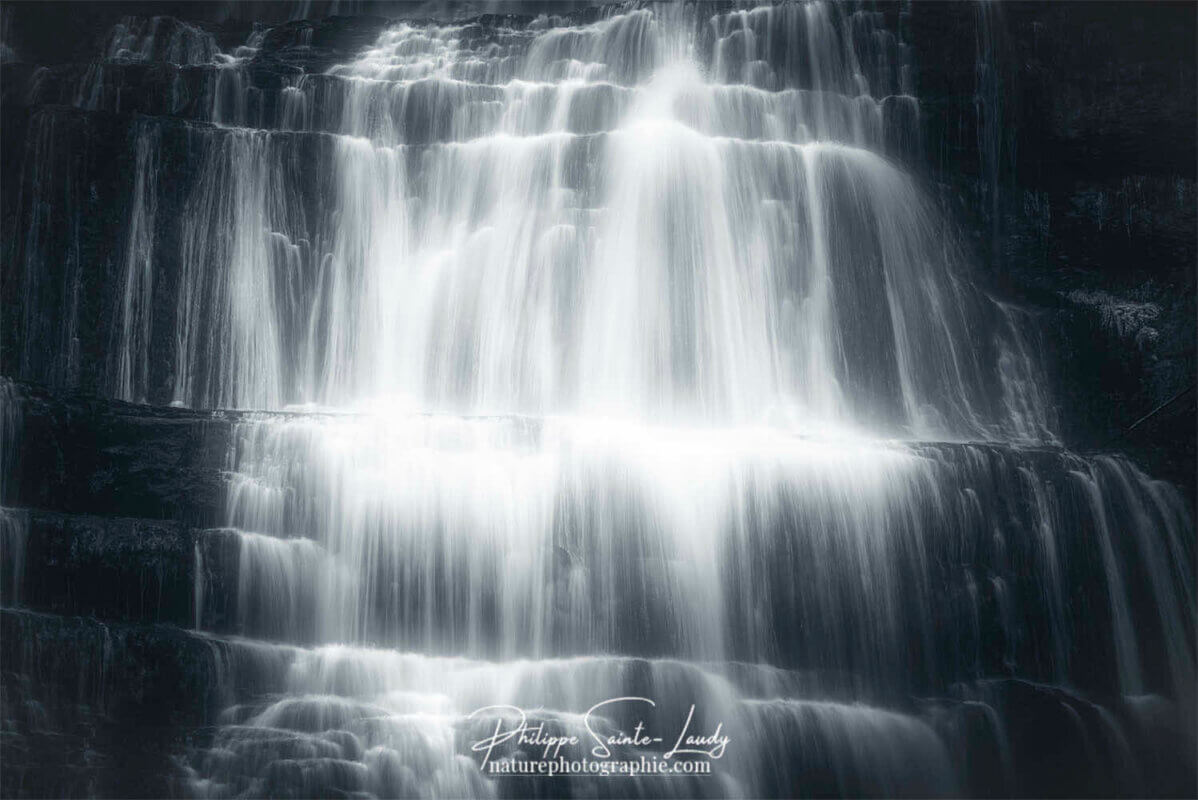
x: 622, y: 355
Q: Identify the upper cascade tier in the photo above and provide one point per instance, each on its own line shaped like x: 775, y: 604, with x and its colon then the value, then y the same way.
x: 667, y: 212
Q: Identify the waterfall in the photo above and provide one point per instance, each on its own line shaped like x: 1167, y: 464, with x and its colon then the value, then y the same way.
x: 620, y: 354
x: 634, y: 218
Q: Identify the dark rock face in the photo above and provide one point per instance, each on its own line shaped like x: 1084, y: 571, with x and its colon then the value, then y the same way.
x: 99, y: 709
x: 1064, y: 136
x: 85, y: 455
x: 1042, y: 725
x: 107, y: 567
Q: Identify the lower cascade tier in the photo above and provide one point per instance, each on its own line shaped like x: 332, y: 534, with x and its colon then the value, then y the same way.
x: 225, y: 717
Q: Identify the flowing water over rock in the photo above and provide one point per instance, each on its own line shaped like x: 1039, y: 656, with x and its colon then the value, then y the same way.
x: 619, y: 354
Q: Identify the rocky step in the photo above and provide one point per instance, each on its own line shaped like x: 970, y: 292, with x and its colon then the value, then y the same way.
x: 81, y: 453
x: 129, y: 570
x: 85, y: 455
x: 323, y: 39
x: 92, y: 709
x: 224, y: 581
x: 112, y: 568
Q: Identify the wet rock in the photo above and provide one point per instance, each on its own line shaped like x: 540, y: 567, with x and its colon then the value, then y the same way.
x: 111, y: 568
x: 85, y: 455
x: 101, y: 710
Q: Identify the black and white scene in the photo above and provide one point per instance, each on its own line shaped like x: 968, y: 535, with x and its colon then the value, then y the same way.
x: 509, y: 399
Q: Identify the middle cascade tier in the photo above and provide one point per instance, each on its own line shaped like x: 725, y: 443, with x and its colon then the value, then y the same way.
x: 906, y: 566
